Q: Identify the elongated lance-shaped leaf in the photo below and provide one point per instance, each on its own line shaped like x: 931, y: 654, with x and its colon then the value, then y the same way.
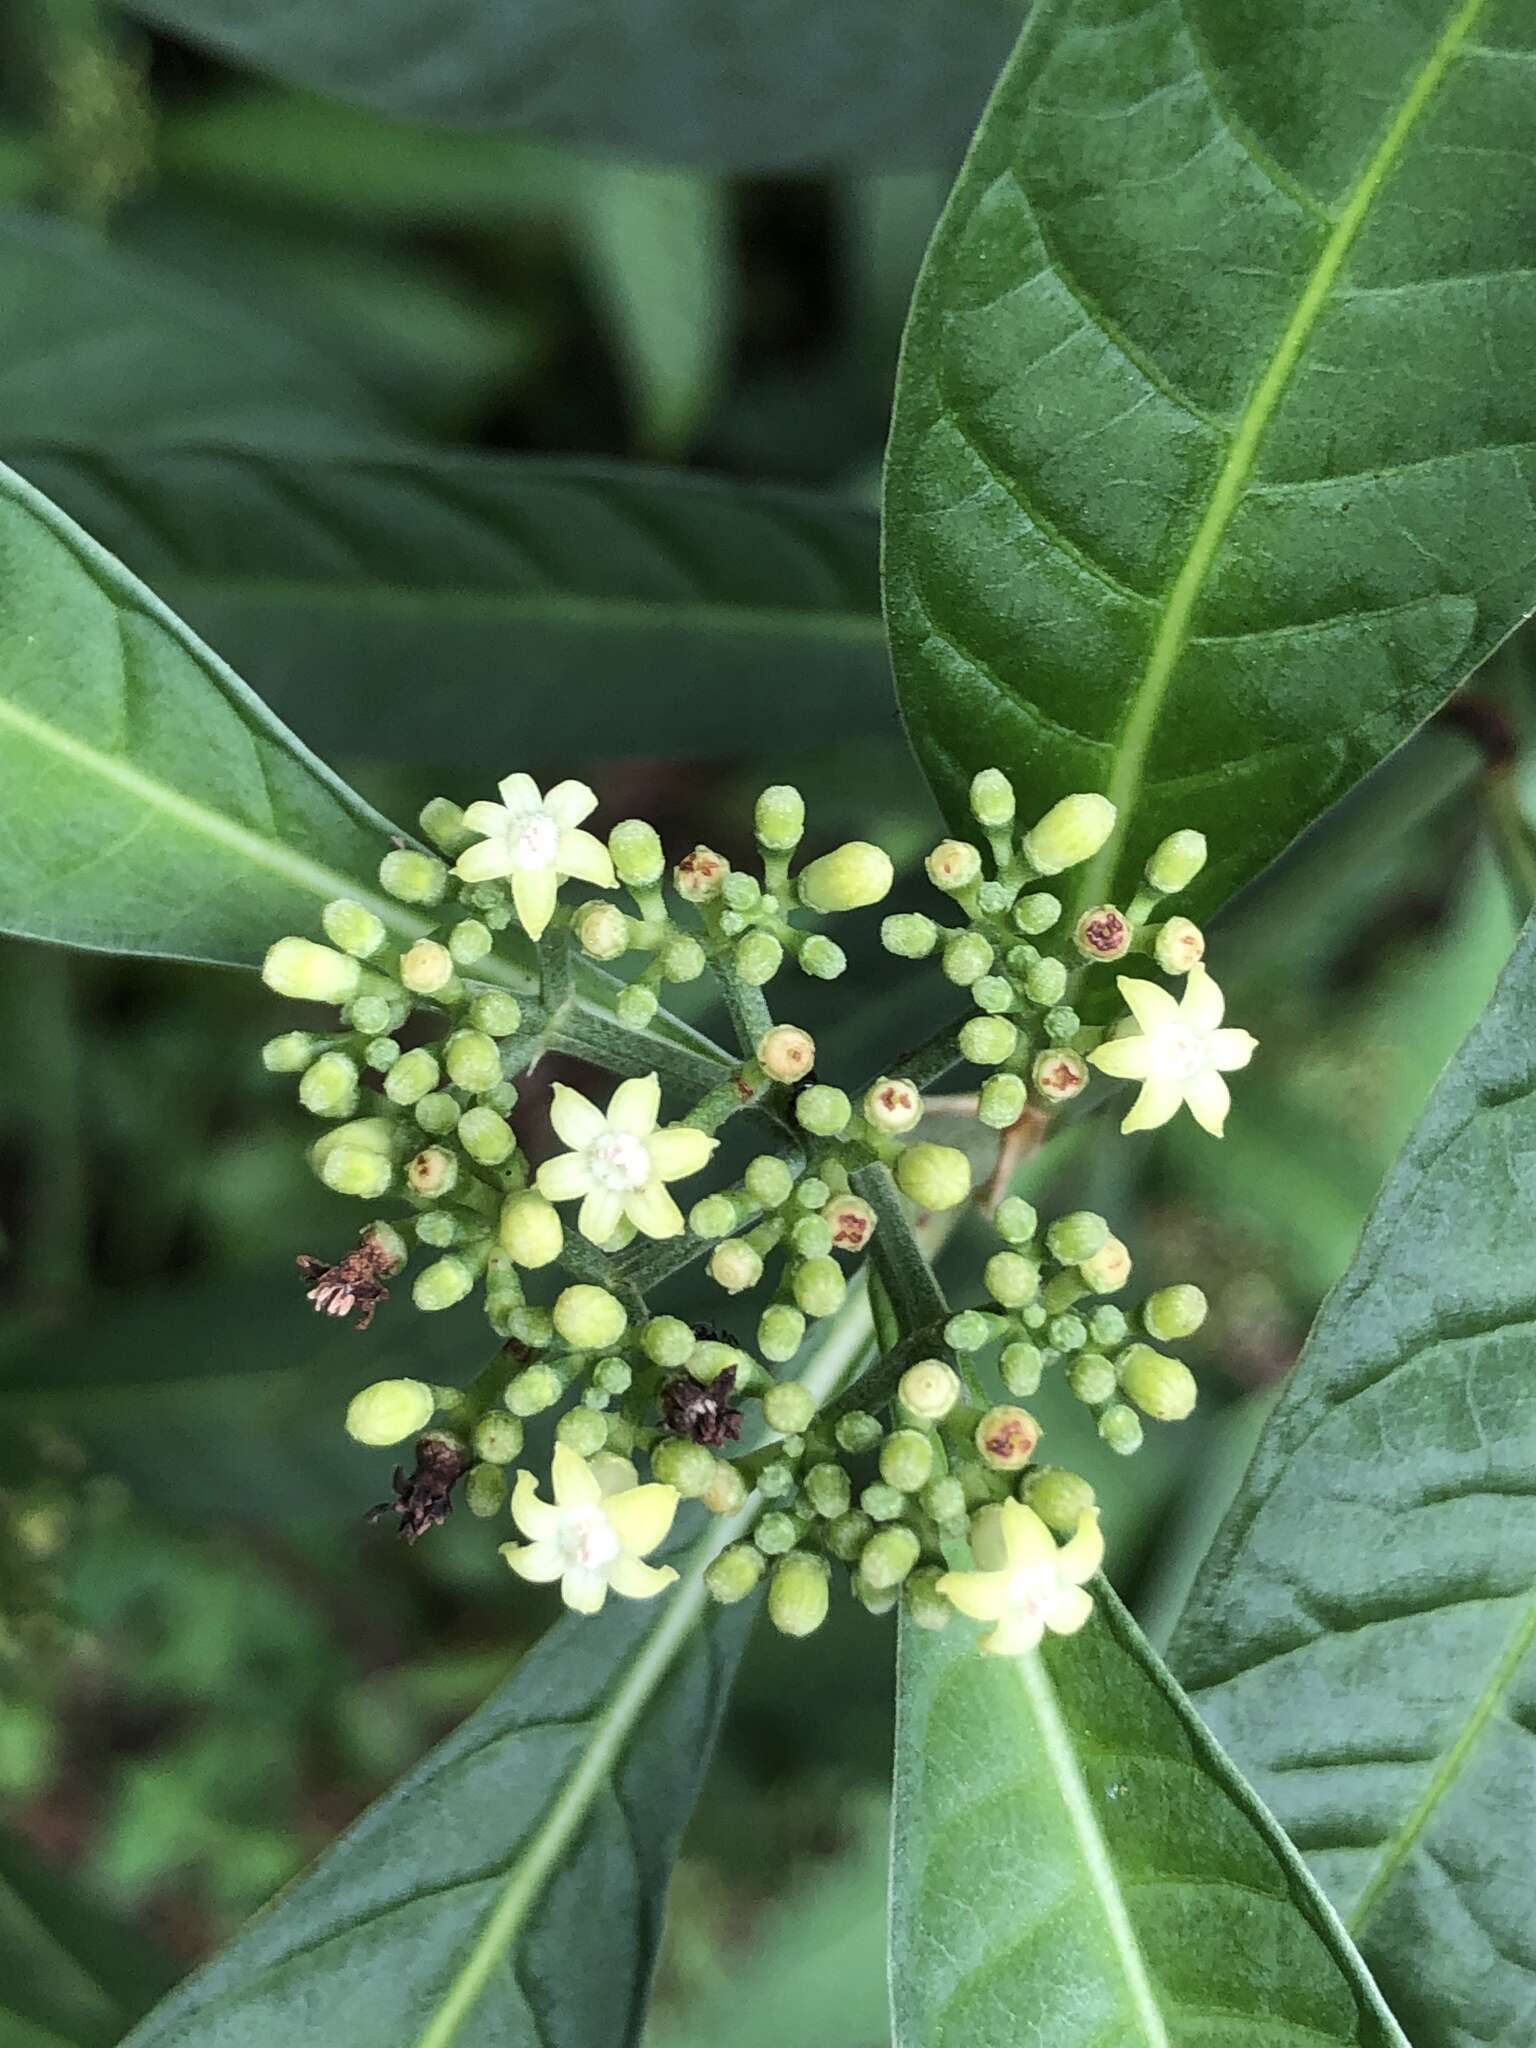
x: 1212, y: 463
x: 1075, y: 1863
x: 1363, y: 1633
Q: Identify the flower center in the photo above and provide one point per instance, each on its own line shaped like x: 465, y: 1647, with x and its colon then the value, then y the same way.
x: 587, y: 1539
x: 1029, y: 1595
x: 619, y: 1163
x: 533, y: 841
x: 1186, y: 1055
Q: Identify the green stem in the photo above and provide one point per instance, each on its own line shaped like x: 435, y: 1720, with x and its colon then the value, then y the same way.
x: 1512, y: 836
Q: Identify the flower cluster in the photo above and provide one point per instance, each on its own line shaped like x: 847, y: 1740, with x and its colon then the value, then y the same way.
x: 889, y: 1482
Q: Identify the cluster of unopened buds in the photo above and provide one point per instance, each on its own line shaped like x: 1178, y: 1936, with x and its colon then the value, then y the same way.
x: 889, y: 1480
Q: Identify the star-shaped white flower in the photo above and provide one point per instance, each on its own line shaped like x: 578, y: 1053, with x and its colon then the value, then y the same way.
x: 1180, y: 1054
x: 595, y: 1534
x: 1025, y: 1583
x: 619, y: 1162
x: 533, y: 840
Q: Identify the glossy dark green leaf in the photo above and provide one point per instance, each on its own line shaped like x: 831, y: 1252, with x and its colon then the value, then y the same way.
x: 1363, y: 1634
x: 1212, y: 464
x: 753, y: 84
x: 1075, y: 1863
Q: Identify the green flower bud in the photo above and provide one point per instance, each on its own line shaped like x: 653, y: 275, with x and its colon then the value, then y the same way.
x: 776, y: 1533
x: 726, y: 1493
x: 1021, y: 958
x: 742, y: 893
x: 1077, y: 1236
x: 308, y: 973
x: 687, y: 1466
x: 1173, y: 1312
x: 1107, y: 1327
x: 874, y: 1600
x: 1175, y: 864
x: 1015, y: 1221
x: 769, y: 1180
x: 442, y: 821
x: 798, y: 1594
x: 635, y: 848
x: 1109, y: 1268
x: 1179, y: 946
x: 485, y: 1136
x: 439, y: 1229
x: 1066, y: 1333
x: 329, y: 1087
x: 357, y: 931
x: 906, y: 1460
x: 883, y: 1502
x: 485, y: 1490
x: 533, y: 1390
x: 681, y: 959
x: 757, y: 958
x: 590, y: 1318
x: 432, y: 1173
x: 789, y: 1408
x: 934, y: 1176
x: 1003, y: 1100
x: 829, y: 1491
x: 735, y: 1574
x: 968, y: 1331
x: 1035, y: 914
x: 1021, y: 1366
x: 1059, y: 1075
x: 1062, y: 1025
x: 851, y: 877
x: 700, y: 876
x: 1011, y: 1278
x: 1161, y: 1387
x: 943, y: 1501
x: 469, y: 942
x: 1046, y: 982
x: 953, y: 865
x: 1120, y: 1427
x: 1070, y: 832
x: 888, y: 1556
x: 498, y: 1438
x: 812, y: 1192
x: 582, y: 1430
x: 735, y: 1266
x: 532, y: 1326
x: 967, y: 956
x: 636, y: 1007
x: 1057, y: 1496
x: 847, y: 1536
x: 988, y: 1041
x: 993, y: 994
x: 473, y: 1061
x: 438, y: 1114
x: 926, y: 1606
x: 712, y: 1216
x: 1091, y: 1378
x: 389, y: 1411
x: 992, y: 799
x: 667, y: 1341
x: 857, y: 1431
x: 426, y: 968
x: 291, y: 1052
x: 412, y: 877
x: 1006, y: 1438
x: 811, y: 1238
x: 821, y: 959
x: 357, y: 1158
x: 894, y: 1106
x: 819, y: 1286
x: 496, y: 1013
x: 909, y: 935
x: 780, y: 818
x: 776, y: 1481
x: 443, y: 1283
x: 823, y: 1111
x: 412, y: 1076
x: 612, y: 1376
x: 602, y: 930
x: 371, y: 1014
x: 780, y: 1332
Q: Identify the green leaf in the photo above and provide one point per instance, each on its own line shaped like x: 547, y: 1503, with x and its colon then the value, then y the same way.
x: 753, y: 84
x: 1075, y: 1862
x: 638, y: 610
x: 1211, y: 471
x: 1363, y: 1634
x: 73, y: 1974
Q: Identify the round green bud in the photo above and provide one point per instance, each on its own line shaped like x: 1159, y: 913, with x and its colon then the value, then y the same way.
x: 925, y: 1605
x: 1021, y: 1366
x: 1059, y: 1075
x: 851, y: 877
x: 1161, y: 1387
x: 967, y: 1331
x: 357, y: 931
x: 1006, y: 1437
x: 992, y: 802
x: 1059, y: 1497
x: 857, y: 1431
x: 888, y: 1556
x: 412, y: 1076
x: 533, y: 1390
x: 823, y: 1111
x: 687, y: 1466
x: 741, y: 893
x: 811, y: 1238
x: 357, y: 1158
x: 780, y: 818
x: 726, y: 1493
x: 757, y: 958
x: 735, y: 1265
x: 943, y: 1501
x: 967, y: 956
x: 1003, y: 1100
x: 883, y: 1502
x: 443, y: 823
x: 934, y: 1176
x: 1021, y: 958
x: 444, y: 1283
x: 636, y: 1006
x: 711, y: 1358
x: 439, y: 1229
x: 389, y: 1411
x: 1011, y: 1278
x: 485, y: 1490
x: 988, y: 1041
x: 426, y: 968
x: 829, y: 1491
x: 909, y: 935
x: 1077, y: 1236
x: 485, y: 1136
x: 993, y: 994
x: 821, y: 959
x: 432, y: 1173
x: 1173, y: 1312
x: 291, y: 1052
x: 993, y: 899
x: 469, y: 942
x: 847, y: 1536
x: 876, y: 1600
x: 776, y: 1480
x: 1066, y: 1333
x: 798, y: 1594
x: 1107, y: 1327
x: 953, y: 865
x: 1070, y: 832
x: 667, y: 1341
x: 1046, y: 982
x: 735, y: 1574
x: 906, y: 1460
x: 769, y: 1180
x: 496, y: 1013
x: 699, y: 877
x: 1120, y: 1427
x: 812, y: 1192
x: 498, y: 1438
x: 776, y: 1533
x: 786, y: 1053
x: 438, y: 1114
x: 1062, y: 1024
x: 1175, y: 864
x: 532, y: 1326
x: 819, y: 1286
x: 682, y: 959
x: 582, y: 1430
x: 612, y: 1376
x: 308, y: 973
x: 780, y: 1332
x: 473, y: 1061
x: 1092, y: 1378
x: 1109, y: 1268
x: 1179, y: 945
x: 329, y: 1087
x: 1035, y: 914
x: 1015, y: 1221
x: 789, y: 1408
x: 927, y: 1392
x: 602, y: 930
x: 590, y: 1318
x: 412, y: 877
x: 894, y: 1106
x: 635, y: 849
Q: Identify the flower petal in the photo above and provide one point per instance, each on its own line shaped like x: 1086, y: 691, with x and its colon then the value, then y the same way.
x: 1026, y: 1540
x: 1232, y: 1049
x: 652, y: 1210
x: 578, y: 1123
x: 536, y: 1562
x: 987, y: 1546
x: 568, y: 802
x: 637, y: 1581
x: 1128, y: 1059
x: 1159, y: 1099
x: 1209, y: 1099
x: 486, y: 861
x: 1068, y: 1611
x: 1080, y: 1557
x: 613, y: 1473
x: 492, y: 819
x: 635, y: 1105
x: 1152, y: 1007
x: 583, y: 855
x: 520, y: 794
x: 600, y: 1215
x: 575, y: 1482
x: 980, y: 1596
x: 584, y: 1590
x: 678, y: 1151
x: 537, y: 1519
x: 1203, y: 1001
x: 565, y: 1179
x: 534, y: 892
x: 1015, y: 1635
x: 642, y: 1516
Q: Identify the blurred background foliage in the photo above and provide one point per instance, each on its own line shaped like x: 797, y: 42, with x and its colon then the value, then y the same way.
x: 363, y: 398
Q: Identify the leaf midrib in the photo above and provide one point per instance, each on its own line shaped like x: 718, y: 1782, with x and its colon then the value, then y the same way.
x: 1133, y: 742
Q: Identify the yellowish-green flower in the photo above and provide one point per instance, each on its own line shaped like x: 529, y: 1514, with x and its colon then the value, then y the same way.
x: 619, y: 1163
x: 534, y: 842
x: 1179, y: 1055
x: 1024, y: 1582
x: 596, y: 1532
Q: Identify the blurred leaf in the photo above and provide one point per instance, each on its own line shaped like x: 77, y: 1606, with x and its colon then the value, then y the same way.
x: 1211, y: 518
x: 751, y: 84
x: 73, y: 1974
x: 390, y: 604
x: 1075, y: 1862
x: 1362, y: 1633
